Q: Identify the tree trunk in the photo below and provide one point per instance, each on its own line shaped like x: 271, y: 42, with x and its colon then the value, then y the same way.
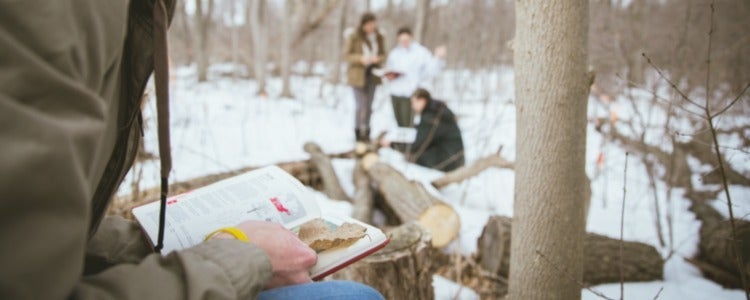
x: 409, y: 201
x: 203, y: 21
x: 401, y: 270
x: 466, y: 172
x: 550, y: 57
x: 260, y: 43
x: 336, y: 77
x: 322, y: 163
x: 286, y: 49
x: 363, y: 196
x: 185, y: 24
x: 420, y: 25
x: 601, y: 264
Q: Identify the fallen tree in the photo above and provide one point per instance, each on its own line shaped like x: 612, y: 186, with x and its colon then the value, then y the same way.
x: 716, y: 254
x: 477, y: 167
x: 641, y: 262
x: 322, y: 163
x: 410, y: 201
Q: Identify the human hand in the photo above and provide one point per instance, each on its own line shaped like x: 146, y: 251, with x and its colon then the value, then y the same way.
x: 375, y: 59
x: 365, y: 60
x: 441, y: 52
x: 385, y: 143
x: 290, y: 258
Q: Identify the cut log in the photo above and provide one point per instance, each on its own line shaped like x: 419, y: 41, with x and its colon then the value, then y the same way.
x: 363, y: 197
x: 466, y: 172
x: 641, y: 262
x: 322, y: 163
x: 402, y: 270
x: 410, y: 201
x: 716, y: 256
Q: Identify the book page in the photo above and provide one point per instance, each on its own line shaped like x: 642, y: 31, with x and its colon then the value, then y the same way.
x: 268, y: 194
x: 405, y: 135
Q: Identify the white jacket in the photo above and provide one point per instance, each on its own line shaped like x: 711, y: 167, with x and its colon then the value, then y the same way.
x: 416, y: 65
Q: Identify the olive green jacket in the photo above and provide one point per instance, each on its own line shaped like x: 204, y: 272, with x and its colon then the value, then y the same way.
x: 72, y: 75
x: 355, y: 72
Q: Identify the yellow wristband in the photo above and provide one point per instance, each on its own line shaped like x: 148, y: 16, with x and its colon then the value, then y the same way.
x: 233, y: 231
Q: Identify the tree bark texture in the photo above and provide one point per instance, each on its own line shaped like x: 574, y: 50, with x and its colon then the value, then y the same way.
x: 401, y: 270
x: 601, y: 262
x: 551, y: 84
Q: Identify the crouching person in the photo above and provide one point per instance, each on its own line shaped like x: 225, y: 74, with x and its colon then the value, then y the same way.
x: 438, y: 143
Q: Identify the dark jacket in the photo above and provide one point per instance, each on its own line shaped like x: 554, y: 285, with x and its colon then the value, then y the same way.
x: 438, y: 144
x: 355, y: 72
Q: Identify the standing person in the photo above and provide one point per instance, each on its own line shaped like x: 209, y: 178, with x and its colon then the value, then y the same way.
x: 364, y: 50
x: 72, y: 76
x: 409, y: 65
x: 438, y: 144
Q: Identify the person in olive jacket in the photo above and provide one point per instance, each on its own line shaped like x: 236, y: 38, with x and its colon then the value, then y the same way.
x: 438, y: 143
x: 364, y: 51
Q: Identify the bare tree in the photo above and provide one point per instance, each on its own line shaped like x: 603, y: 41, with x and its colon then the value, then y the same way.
x: 260, y: 41
x: 286, y: 48
x: 550, y: 57
x: 423, y: 8
x: 203, y: 21
x: 336, y: 77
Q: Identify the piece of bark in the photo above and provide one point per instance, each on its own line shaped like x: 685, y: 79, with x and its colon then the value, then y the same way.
x: 410, y: 201
x: 363, y: 195
x: 641, y: 262
x: 477, y: 167
x: 322, y: 163
x: 319, y: 236
x: 401, y: 270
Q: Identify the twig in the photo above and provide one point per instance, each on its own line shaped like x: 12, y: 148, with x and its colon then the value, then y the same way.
x: 733, y: 101
x: 674, y: 86
x: 595, y: 292
x: 622, y: 226
x: 658, y: 293
x: 735, y: 242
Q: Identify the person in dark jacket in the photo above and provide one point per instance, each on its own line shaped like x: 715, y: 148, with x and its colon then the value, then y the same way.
x: 364, y: 50
x: 438, y: 143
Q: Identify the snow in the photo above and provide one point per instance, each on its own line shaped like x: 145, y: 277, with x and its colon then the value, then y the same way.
x: 221, y: 125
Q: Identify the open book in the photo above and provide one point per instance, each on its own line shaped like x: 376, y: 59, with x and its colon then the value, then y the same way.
x: 268, y: 194
x: 405, y: 135
x: 387, y: 73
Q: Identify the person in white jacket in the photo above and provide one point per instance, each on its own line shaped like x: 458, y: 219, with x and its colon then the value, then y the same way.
x: 409, y: 66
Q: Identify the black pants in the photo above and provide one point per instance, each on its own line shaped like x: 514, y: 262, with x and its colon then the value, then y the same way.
x: 402, y: 110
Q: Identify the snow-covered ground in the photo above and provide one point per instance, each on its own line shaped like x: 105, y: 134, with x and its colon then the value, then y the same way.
x: 221, y: 125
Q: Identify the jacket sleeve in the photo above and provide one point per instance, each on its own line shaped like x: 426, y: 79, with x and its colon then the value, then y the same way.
x: 217, y: 269
x: 350, y: 54
x: 431, y: 65
x: 59, y: 78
